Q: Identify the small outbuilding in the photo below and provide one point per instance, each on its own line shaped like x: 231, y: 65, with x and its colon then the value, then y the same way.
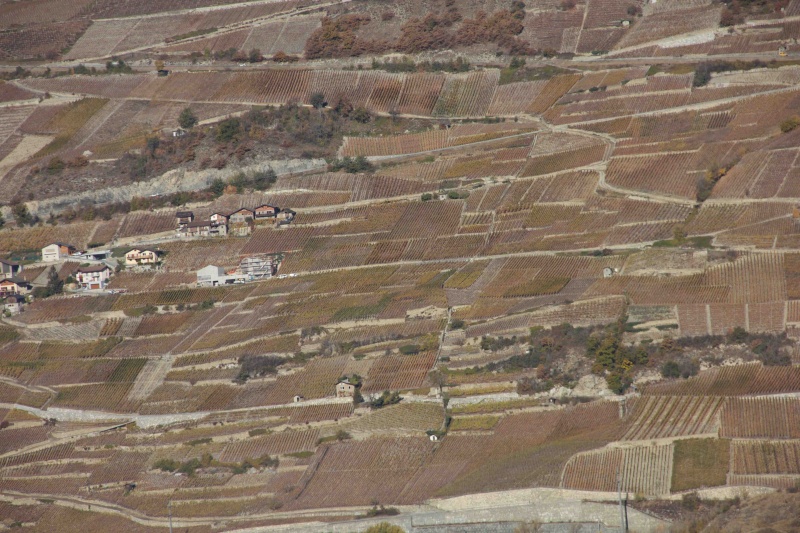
x: 212, y: 275
x: 57, y: 251
x: 14, y: 304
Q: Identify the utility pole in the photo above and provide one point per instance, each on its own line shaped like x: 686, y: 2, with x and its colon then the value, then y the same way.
x: 623, y: 526
x: 169, y: 507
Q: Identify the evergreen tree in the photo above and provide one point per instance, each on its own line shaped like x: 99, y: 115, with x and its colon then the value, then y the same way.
x: 187, y: 118
x: 54, y: 284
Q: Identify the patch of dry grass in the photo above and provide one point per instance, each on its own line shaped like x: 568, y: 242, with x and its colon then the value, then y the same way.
x: 700, y: 463
x: 474, y: 423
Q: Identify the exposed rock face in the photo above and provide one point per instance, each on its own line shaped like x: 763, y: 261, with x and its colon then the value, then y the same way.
x: 592, y: 386
x: 176, y: 180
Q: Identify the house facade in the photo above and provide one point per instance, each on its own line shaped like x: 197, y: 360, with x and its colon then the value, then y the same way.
x: 285, y: 216
x: 9, y: 269
x: 57, y: 251
x: 182, y: 218
x: 139, y: 256
x: 13, y: 287
x: 264, y: 211
x: 14, y: 304
x: 93, y: 277
x: 241, y: 216
x: 204, y: 229
x: 345, y: 389
x: 218, y: 218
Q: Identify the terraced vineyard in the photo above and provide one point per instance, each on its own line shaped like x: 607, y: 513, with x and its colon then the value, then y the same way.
x: 760, y: 418
x: 654, y: 417
x: 643, y: 470
x: 518, y: 247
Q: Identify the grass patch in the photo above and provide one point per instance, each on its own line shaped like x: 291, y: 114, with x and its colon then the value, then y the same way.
x: 57, y: 350
x: 703, y: 242
x: 361, y: 312
x: 462, y: 280
x: 135, y: 312
x: 537, y: 287
x: 681, y: 68
x: 189, y: 35
x: 494, y: 407
x: 8, y: 334
x: 474, y: 423
x: 512, y: 75
x: 127, y: 370
x: 488, y: 388
x: 301, y: 455
x: 437, y: 280
x: 68, y: 121
x: 700, y: 463
x: 18, y: 415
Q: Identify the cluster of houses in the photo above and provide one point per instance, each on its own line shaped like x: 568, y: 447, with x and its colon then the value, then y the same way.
x: 13, y: 289
x: 250, y: 268
x: 240, y: 222
x: 93, y: 274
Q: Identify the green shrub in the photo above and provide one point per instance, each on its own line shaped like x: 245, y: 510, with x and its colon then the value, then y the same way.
x: 166, y: 465
x: 789, y: 124
x: 187, y: 118
x: 228, y: 130
x: 409, y: 349
x: 671, y: 369
x: 387, y: 398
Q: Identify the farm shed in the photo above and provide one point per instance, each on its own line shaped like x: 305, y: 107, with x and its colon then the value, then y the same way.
x: 13, y: 304
x: 57, y: 251
x: 212, y: 275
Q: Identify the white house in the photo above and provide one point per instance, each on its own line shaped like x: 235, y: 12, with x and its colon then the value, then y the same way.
x: 14, y: 304
x: 93, y: 277
x: 57, y: 251
x: 218, y: 218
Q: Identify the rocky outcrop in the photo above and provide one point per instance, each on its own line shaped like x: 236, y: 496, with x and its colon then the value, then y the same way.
x: 173, y: 181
